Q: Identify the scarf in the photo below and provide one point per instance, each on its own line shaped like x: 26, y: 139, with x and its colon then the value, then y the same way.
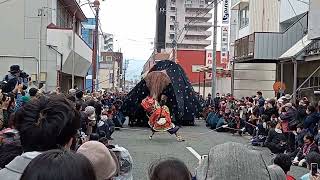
x: 306, y: 149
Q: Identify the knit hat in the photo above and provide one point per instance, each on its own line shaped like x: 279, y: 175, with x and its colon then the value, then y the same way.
x: 232, y: 161
x: 104, y: 163
x: 90, y: 111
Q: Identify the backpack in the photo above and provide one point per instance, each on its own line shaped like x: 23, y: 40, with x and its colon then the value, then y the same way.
x: 125, y: 161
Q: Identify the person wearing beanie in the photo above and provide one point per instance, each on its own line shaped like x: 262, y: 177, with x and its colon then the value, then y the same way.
x: 91, y: 118
x: 104, y: 162
x: 234, y: 161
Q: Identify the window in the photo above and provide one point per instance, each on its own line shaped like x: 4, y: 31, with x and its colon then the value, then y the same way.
x: 171, y: 27
x: 90, y: 36
x: 244, y: 17
x: 173, y: 1
x: 172, y: 8
x: 109, y: 58
x: 201, y: 1
x: 172, y: 18
x: 64, y: 19
x: 171, y: 36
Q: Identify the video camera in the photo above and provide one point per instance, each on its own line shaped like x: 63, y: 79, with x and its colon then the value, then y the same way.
x: 15, y: 76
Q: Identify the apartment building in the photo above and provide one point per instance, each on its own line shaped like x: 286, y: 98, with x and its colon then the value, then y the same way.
x: 185, y: 22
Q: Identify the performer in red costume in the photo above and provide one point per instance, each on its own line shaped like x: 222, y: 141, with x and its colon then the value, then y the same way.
x: 158, y: 113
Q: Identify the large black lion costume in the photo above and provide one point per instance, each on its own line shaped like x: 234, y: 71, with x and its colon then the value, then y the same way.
x: 182, y: 100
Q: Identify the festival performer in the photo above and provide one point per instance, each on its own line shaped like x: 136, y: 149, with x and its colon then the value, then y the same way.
x: 157, y: 111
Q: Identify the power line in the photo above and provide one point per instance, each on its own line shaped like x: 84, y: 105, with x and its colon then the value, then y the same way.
x: 198, y: 21
x: 295, y: 13
x: 4, y: 1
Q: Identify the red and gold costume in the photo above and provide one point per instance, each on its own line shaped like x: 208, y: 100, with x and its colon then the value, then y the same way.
x: 159, y: 119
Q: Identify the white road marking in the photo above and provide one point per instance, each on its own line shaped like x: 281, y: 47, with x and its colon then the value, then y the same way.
x: 197, y: 155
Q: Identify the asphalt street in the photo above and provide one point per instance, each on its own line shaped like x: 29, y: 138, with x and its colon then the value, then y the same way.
x: 198, y: 137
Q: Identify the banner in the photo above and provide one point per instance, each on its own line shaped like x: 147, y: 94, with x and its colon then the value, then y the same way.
x: 224, y: 44
x: 225, y: 12
x: 209, y: 60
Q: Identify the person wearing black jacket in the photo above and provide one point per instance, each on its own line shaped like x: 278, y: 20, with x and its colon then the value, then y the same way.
x: 311, y: 121
x: 276, y: 140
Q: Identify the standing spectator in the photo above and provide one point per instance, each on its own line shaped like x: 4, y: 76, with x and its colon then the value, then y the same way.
x: 59, y: 165
x: 288, y: 122
x: 170, y: 168
x: 284, y: 161
x: 44, y: 124
x: 261, y: 102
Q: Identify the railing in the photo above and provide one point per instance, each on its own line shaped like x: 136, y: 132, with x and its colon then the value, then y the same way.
x: 244, y: 47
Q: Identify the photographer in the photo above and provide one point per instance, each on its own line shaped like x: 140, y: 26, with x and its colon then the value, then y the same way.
x: 15, y: 77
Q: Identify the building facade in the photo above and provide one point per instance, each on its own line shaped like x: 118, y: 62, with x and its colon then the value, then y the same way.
x: 39, y: 37
x: 184, y: 22
x: 261, y: 32
x: 87, y: 33
x: 110, y: 71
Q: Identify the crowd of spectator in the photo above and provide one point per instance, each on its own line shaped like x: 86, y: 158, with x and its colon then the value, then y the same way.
x: 281, y: 125
x: 67, y: 136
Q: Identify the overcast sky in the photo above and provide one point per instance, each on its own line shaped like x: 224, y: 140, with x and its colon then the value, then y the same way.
x: 132, y: 23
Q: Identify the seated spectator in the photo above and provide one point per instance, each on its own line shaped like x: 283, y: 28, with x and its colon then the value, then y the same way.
x: 235, y: 161
x: 308, y: 146
x: 261, y: 133
x: 284, y: 161
x: 311, y: 121
x: 59, y: 165
x: 312, y: 157
x: 170, y: 168
x: 104, y: 162
x: 276, y: 140
x: 33, y: 92
x: 106, y: 126
x: 44, y: 124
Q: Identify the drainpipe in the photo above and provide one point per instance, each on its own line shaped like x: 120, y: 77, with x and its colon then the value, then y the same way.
x: 41, y: 11
x: 295, y: 76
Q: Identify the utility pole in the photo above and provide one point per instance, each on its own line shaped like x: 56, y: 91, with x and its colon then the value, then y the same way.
x: 73, y: 47
x: 214, y: 48
x: 126, y: 63
x: 175, y: 40
x: 96, y: 4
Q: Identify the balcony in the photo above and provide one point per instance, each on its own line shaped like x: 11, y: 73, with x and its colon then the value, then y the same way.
x: 268, y: 46
x: 238, y: 4
x: 61, y: 40
x: 200, y: 24
x: 196, y: 42
x: 199, y: 6
x: 197, y: 15
x: 199, y: 33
